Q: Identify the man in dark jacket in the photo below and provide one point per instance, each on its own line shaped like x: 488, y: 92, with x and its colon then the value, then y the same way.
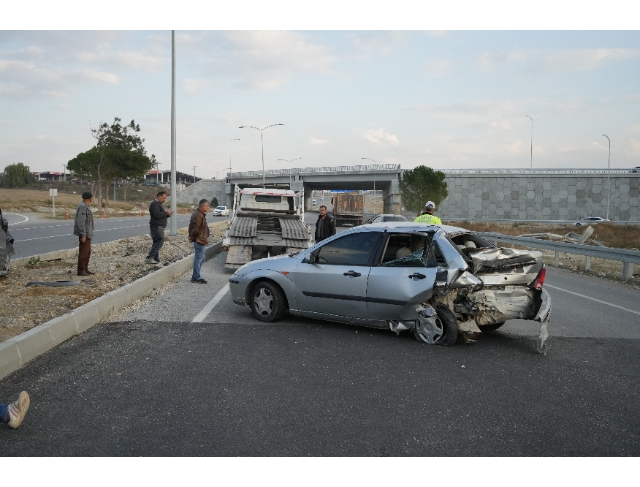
x: 199, y: 236
x: 325, y: 226
x: 83, y: 228
x: 157, y: 224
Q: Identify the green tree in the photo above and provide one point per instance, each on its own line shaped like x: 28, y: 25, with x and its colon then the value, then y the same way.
x: 420, y: 185
x: 17, y: 176
x: 85, y: 165
x: 119, y: 153
x: 214, y: 202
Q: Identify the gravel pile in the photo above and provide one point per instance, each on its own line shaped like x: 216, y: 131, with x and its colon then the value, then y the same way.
x: 115, y: 264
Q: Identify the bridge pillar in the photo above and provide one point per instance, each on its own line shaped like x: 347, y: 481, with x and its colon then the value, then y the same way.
x: 392, y: 198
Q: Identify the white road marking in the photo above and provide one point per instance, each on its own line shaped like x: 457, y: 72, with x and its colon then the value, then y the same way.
x: 41, y: 238
x: 593, y: 299
x: 26, y: 218
x: 210, y: 305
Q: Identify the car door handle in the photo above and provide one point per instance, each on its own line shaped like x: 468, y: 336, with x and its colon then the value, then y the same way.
x: 417, y: 275
x: 352, y: 274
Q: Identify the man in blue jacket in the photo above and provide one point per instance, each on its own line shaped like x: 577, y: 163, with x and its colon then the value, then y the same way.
x: 157, y: 224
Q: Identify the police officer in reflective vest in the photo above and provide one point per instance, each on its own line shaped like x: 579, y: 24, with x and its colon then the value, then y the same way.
x: 427, y: 216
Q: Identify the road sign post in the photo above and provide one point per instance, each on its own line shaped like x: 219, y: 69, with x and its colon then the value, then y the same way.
x: 53, y: 193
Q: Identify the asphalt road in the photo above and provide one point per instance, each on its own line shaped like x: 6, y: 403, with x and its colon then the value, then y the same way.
x: 189, y: 373
x: 155, y: 383
x: 33, y: 237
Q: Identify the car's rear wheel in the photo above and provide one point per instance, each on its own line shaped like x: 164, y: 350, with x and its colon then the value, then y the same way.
x: 267, y: 302
x: 491, y: 327
x: 444, y: 331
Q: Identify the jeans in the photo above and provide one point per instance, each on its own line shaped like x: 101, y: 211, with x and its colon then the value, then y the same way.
x: 3, y: 412
x: 198, y: 259
x: 157, y: 235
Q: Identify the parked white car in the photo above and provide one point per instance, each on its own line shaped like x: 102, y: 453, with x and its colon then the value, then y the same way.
x: 221, y: 211
x: 590, y: 220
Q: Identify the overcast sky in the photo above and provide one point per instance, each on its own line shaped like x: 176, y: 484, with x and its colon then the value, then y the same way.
x: 446, y: 99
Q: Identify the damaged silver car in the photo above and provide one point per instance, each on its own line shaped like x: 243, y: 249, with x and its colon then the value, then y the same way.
x: 437, y: 281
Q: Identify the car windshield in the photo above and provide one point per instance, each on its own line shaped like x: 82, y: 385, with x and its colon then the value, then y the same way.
x: 221, y: 208
x: 405, y: 250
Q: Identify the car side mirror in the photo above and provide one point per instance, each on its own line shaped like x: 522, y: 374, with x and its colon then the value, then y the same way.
x: 313, y: 258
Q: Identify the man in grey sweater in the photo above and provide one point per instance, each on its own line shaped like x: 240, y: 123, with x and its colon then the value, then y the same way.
x: 83, y: 228
x: 157, y: 224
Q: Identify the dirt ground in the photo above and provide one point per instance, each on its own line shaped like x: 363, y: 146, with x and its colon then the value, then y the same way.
x: 38, y: 203
x: 115, y: 264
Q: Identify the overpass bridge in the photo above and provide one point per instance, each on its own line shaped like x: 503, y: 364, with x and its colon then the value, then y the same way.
x: 474, y: 194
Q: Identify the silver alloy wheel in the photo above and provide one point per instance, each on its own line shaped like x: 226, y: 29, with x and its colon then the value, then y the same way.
x: 430, y: 332
x: 263, y: 301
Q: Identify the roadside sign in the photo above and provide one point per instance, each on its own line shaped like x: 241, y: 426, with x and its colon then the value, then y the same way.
x: 53, y: 193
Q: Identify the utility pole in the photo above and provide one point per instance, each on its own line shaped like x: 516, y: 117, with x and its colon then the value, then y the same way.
x: 194, y: 174
x: 174, y: 221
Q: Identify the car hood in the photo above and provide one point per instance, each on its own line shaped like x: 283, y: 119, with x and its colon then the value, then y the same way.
x: 276, y: 263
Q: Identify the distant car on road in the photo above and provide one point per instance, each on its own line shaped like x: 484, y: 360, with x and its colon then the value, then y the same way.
x: 590, y: 220
x: 635, y: 169
x: 221, y: 211
x: 388, y: 218
x: 436, y: 281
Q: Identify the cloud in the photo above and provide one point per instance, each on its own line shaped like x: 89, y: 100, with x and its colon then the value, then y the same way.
x: 439, y: 67
x: 100, y: 76
x: 378, y: 42
x: 262, y: 60
x: 380, y: 136
x: 586, y: 59
x: 486, y: 61
x: 193, y: 86
x: 318, y: 141
x: 136, y: 60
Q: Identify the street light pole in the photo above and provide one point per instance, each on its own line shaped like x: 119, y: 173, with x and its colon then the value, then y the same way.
x: 174, y: 221
x: 609, y: 175
x: 531, y: 167
x: 261, y: 144
x: 231, y: 140
x: 374, y: 181
x: 290, y: 161
x: 194, y: 174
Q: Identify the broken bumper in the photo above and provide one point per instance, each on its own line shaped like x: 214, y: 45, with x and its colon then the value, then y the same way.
x: 542, y: 317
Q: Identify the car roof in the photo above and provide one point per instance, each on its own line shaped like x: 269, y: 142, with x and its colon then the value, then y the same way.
x: 410, y: 227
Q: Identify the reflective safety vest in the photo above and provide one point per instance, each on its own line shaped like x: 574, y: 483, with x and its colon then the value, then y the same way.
x: 428, y: 219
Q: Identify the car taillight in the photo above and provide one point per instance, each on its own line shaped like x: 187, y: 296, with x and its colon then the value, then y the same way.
x: 539, y: 280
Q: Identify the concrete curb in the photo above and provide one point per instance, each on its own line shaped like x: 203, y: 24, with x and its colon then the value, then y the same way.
x: 17, y: 351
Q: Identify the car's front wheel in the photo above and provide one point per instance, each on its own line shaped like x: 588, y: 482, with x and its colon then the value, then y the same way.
x: 267, y: 302
x: 443, y: 331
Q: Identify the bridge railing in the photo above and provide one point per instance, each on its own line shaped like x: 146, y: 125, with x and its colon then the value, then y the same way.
x: 308, y: 171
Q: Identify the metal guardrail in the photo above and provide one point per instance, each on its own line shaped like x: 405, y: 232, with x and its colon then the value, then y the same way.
x: 537, y: 171
x: 627, y: 257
